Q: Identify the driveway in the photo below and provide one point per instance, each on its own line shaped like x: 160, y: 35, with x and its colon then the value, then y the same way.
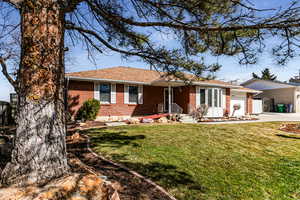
x: 266, y: 117
x: 287, y: 117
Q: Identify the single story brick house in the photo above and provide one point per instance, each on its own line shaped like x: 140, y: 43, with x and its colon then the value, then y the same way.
x: 127, y: 91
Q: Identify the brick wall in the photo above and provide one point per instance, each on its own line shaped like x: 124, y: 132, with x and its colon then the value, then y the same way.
x: 80, y: 91
x: 249, y: 103
x: 192, y: 98
x: 181, y: 97
x: 152, y: 96
x: 185, y: 97
x: 228, y: 99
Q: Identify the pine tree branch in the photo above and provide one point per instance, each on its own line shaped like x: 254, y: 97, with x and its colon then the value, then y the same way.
x: 168, y: 61
x: 279, y: 25
x: 284, y: 24
x: 83, y: 32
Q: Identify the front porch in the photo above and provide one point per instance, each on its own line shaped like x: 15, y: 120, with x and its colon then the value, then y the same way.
x: 171, y: 101
x: 184, y: 99
x: 177, y: 97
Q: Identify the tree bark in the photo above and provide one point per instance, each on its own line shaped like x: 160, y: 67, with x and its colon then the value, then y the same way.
x: 39, y: 153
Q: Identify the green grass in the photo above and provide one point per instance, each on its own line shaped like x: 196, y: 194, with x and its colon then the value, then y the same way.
x: 238, y: 161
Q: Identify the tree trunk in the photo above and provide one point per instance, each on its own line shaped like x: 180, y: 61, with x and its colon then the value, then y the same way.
x: 39, y: 153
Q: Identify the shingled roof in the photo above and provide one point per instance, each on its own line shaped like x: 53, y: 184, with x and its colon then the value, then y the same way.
x: 138, y: 75
x: 120, y: 74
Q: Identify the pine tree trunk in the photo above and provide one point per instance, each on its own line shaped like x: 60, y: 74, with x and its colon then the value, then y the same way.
x: 39, y: 153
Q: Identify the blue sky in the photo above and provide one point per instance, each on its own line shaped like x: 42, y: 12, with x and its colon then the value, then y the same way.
x: 230, y: 70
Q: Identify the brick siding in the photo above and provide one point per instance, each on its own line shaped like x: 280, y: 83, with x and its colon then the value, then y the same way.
x: 185, y: 97
x: 182, y: 97
x: 80, y: 91
x: 249, y: 103
x: 228, y: 99
x: 152, y: 96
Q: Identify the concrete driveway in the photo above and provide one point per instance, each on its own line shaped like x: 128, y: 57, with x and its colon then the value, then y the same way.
x: 266, y: 117
x: 271, y: 117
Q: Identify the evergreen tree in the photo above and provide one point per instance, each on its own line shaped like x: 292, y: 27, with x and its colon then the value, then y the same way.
x: 128, y: 27
x: 265, y: 75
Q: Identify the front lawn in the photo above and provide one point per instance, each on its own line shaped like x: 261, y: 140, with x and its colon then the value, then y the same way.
x: 238, y: 161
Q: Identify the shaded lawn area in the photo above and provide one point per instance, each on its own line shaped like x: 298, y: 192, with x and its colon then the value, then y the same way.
x: 238, y: 161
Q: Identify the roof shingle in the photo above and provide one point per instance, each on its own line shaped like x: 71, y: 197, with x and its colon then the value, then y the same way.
x: 131, y: 74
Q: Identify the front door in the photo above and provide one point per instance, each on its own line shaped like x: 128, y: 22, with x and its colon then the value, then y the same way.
x: 166, y: 99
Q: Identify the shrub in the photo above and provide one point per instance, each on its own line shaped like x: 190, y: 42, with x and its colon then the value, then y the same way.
x: 200, y: 112
x: 89, y: 110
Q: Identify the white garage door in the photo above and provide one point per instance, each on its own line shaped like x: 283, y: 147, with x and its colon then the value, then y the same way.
x: 238, y: 99
x: 257, y: 107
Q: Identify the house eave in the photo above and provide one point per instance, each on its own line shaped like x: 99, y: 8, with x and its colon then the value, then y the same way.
x: 182, y: 83
x: 154, y: 83
x: 248, y: 91
x: 216, y: 85
x: 75, y: 78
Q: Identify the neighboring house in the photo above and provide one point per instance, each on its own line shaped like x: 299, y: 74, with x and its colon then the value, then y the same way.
x: 275, y: 92
x: 125, y: 91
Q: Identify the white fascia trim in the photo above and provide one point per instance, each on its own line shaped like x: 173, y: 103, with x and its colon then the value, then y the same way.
x: 216, y: 85
x: 143, y: 83
x: 106, y: 80
x: 245, y: 91
x: 203, y: 84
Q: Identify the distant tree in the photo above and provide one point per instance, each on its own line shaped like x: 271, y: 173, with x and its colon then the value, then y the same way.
x: 265, y: 75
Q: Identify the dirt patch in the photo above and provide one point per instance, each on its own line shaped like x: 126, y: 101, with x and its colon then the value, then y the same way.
x: 129, y: 186
x: 290, y: 128
x: 73, y: 126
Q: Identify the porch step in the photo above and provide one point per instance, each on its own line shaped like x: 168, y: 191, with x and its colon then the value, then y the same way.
x: 187, y: 119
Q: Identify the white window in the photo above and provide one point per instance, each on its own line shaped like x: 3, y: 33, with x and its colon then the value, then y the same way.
x: 133, y: 94
x: 105, y: 93
x: 202, y: 96
x: 209, y: 96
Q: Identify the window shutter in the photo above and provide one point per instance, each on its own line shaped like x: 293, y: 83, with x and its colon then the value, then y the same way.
x: 197, y: 96
x: 140, y: 96
x: 224, y: 98
x: 206, y: 96
x: 126, y: 95
x: 96, y: 91
x: 113, y: 98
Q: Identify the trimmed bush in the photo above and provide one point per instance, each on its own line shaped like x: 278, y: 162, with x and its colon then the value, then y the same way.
x: 89, y: 110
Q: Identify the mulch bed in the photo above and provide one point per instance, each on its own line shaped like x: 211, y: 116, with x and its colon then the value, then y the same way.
x: 290, y: 128
x: 88, y: 124
x: 130, y: 187
x: 81, y: 160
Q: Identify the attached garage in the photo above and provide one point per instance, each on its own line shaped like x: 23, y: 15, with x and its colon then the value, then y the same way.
x: 274, y: 93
